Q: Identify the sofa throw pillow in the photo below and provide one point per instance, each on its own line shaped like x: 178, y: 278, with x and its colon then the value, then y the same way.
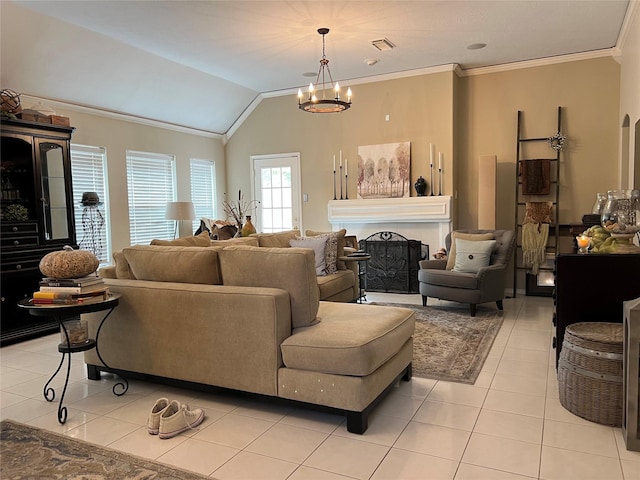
x: 201, y: 240
x: 252, y: 241
x: 122, y: 266
x: 340, y: 236
x: 318, y: 245
x: 471, y: 255
x: 451, y: 259
x: 291, y: 269
x: 174, y: 264
x: 277, y: 239
x: 330, y: 252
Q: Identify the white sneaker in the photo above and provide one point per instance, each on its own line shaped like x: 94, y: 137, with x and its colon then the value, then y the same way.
x: 153, y: 423
x: 178, y: 418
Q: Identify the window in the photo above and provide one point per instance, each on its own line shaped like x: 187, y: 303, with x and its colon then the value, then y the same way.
x: 203, y: 189
x: 151, y: 180
x: 89, y: 174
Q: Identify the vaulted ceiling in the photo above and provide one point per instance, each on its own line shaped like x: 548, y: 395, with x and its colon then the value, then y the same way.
x: 201, y: 64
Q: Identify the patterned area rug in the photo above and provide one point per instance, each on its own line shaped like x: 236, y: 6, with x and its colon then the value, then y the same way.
x: 449, y: 344
x: 31, y: 453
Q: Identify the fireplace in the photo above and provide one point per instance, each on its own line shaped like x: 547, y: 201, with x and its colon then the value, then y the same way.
x: 427, y: 219
x: 393, y: 267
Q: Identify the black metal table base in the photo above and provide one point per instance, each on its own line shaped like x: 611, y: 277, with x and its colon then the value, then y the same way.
x: 67, y: 349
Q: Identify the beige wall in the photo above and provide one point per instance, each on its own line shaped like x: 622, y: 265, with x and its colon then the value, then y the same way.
x: 118, y: 136
x: 588, y: 92
x: 466, y: 117
x: 420, y: 111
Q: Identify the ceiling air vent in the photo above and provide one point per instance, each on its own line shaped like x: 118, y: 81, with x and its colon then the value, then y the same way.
x: 383, y: 44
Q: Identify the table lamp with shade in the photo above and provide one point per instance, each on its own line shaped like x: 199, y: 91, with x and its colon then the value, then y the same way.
x: 180, y: 211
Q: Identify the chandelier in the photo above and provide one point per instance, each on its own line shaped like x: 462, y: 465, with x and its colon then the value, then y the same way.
x: 324, y: 105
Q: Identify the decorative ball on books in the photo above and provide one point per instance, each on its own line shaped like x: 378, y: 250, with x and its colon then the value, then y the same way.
x: 68, y: 263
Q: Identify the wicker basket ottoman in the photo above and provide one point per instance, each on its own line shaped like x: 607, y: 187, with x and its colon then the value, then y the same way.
x: 590, y: 372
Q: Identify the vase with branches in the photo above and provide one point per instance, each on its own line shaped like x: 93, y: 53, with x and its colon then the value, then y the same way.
x: 238, y: 210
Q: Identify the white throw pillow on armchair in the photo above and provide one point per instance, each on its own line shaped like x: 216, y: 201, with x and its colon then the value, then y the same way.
x: 471, y: 256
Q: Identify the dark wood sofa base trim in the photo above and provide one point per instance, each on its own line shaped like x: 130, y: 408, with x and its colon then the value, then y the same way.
x: 357, y: 422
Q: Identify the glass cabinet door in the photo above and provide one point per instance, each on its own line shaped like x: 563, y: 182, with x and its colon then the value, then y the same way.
x: 55, y: 208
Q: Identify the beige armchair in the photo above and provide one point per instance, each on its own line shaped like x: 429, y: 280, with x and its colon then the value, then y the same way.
x: 437, y: 279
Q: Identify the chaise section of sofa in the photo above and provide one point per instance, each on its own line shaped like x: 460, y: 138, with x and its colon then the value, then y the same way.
x: 264, y: 332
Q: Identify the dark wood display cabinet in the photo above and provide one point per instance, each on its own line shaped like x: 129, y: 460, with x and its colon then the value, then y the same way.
x: 591, y: 288
x: 36, y: 217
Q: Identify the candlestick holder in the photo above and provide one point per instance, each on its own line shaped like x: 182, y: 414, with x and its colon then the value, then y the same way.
x: 432, y: 184
x: 341, y: 183
x: 346, y: 186
x: 440, y: 181
x: 334, y: 184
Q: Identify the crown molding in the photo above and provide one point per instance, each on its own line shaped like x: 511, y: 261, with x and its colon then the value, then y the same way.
x: 540, y: 62
x: 632, y: 11
x: 28, y: 99
x: 452, y: 67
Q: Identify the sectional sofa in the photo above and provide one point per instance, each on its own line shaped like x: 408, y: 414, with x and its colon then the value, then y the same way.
x: 249, y: 318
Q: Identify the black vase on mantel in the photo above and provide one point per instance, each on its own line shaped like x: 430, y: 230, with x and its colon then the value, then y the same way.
x: 421, y: 186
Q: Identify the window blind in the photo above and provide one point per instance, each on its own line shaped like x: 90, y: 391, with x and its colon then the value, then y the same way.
x: 151, y: 180
x: 89, y: 174
x: 203, y: 191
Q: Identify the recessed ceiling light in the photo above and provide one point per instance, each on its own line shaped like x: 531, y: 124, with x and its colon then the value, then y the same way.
x: 476, y: 46
x: 310, y: 74
x: 371, y: 61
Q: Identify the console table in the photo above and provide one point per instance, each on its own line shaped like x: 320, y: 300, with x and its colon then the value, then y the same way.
x: 591, y: 288
x: 64, y: 313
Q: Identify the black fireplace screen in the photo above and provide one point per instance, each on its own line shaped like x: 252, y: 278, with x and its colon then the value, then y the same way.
x: 393, y: 267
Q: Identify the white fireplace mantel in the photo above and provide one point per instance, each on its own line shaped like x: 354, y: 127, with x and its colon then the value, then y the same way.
x: 427, y: 218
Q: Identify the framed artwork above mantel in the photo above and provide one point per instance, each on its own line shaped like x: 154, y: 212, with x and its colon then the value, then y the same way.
x: 384, y: 170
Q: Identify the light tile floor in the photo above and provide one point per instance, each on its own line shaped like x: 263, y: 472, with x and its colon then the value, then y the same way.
x: 509, y: 425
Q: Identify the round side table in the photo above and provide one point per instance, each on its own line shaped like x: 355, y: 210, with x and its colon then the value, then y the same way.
x: 63, y: 313
x: 362, y: 271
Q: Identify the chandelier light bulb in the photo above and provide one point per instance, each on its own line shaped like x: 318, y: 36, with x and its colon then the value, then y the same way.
x: 349, y: 95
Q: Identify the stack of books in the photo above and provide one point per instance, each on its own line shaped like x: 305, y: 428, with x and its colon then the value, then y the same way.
x: 69, y: 291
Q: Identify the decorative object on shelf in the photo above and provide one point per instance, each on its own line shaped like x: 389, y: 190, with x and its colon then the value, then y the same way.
x: 16, y: 213
x: 621, y: 219
x: 179, y: 211
x: 383, y: 170
x: 92, y: 223
x: 248, y: 227
x: 598, y: 206
x: 77, y: 331
x: 432, y: 155
x: 9, y: 103
x: 324, y: 105
x: 420, y: 186
x: 557, y: 141
x: 440, y: 162
x: 238, y: 210
x: 346, y: 178
x: 583, y: 243
x: 68, y: 263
